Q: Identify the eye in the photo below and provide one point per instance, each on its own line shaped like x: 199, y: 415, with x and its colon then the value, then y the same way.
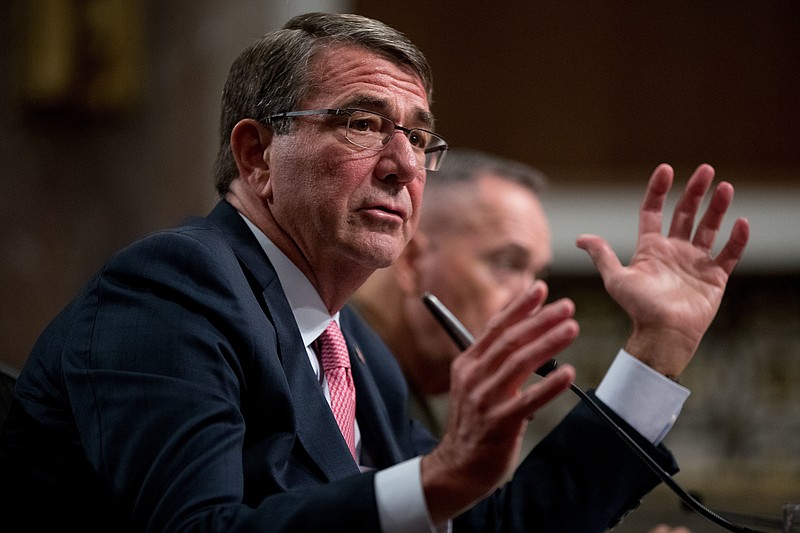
x: 419, y: 138
x: 365, y: 124
x: 509, y: 264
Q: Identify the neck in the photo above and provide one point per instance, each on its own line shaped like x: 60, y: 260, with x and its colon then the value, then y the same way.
x: 335, y: 282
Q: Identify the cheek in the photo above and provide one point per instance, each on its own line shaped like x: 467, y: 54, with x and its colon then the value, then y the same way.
x: 466, y: 288
x: 486, y: 301
x: 289, y: 169
x: 482, y: 295
x: 312, y: 178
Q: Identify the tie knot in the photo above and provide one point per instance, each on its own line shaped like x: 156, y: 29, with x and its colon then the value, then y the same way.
x: 332, y: 348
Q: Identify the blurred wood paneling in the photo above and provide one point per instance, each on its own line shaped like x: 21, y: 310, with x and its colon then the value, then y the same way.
x: 603, y: 85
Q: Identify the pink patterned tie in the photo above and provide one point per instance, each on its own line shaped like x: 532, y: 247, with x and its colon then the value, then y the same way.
x: 336, y: 364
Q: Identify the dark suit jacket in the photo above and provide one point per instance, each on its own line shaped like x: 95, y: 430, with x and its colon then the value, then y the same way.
x: 174, y: 393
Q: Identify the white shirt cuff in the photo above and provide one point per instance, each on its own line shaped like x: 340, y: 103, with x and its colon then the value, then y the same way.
x: 647, y: 400
x: 401, y: 502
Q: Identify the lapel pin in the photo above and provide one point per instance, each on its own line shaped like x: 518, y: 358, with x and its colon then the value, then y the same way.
x: 360, y: 355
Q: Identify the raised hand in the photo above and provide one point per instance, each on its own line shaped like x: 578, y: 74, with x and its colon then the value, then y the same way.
x: 673, y: 286
x: 491, y: 399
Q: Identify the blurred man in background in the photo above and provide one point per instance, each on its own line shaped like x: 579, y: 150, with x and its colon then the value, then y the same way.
x: 483, y: 238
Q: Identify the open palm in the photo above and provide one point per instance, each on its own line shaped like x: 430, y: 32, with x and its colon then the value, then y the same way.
x: 673, y: 286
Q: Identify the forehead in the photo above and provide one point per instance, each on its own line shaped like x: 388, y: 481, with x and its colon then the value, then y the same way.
x: 346, y: 75
x: 501, y: 213
x: 510, y: 202
x: 490, y: 205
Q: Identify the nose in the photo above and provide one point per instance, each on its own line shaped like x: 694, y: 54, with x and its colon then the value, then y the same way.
x: 399, y: 160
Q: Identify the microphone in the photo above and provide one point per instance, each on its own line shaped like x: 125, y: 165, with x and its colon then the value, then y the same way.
x: 464, y: 339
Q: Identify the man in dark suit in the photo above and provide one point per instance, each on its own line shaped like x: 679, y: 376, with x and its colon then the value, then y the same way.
x: 184, y: 390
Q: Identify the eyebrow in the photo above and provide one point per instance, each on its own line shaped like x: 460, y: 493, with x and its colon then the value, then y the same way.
x: 380, y: 105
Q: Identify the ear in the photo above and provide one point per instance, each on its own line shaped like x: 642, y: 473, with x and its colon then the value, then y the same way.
x: 250, y: 143
x: 407, y: 267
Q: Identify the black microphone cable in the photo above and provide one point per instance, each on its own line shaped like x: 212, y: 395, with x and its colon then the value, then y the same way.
x: 464, y: 339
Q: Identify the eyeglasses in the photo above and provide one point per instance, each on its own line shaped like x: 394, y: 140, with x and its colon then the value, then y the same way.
x: 373, y: 131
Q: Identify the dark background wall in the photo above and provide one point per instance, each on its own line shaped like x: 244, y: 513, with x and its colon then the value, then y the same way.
x: 108, y: 117
x: 596, y: 94
x: 614, y: 84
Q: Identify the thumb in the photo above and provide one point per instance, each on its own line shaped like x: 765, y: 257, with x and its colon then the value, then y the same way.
x: 603, y: 257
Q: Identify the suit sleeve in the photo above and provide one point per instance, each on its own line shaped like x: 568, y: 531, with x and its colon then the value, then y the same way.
x: 580, y: 478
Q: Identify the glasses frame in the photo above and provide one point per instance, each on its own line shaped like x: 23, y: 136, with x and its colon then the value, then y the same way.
x: 435, y: 154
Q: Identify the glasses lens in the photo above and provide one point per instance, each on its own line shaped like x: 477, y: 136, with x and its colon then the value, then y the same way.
x: 430, y: 148
x: 373, y: 132
x: 434, y: 155
x: 369, y: 130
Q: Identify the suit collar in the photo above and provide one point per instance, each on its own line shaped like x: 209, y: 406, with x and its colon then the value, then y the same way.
x: 314, y: 421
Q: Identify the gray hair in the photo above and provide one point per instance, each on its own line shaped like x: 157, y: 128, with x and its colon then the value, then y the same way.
x: 464, y: 165
x: 272, y: 76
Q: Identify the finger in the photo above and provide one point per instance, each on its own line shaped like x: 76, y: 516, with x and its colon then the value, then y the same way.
x: 601, y: 253
x: 689, y: 203
x: 523, y: 339
x: 709, y: 225
x: 538, y: 394
x: 476, y: 380
x: 510, y: 372
x: 652, y: 207
x: 733, y: 250
x: 517, y: 310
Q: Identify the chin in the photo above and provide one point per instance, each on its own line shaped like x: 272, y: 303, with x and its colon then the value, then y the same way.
x: 373, y: 259
x: 380, y: 253
x: 383, y: 262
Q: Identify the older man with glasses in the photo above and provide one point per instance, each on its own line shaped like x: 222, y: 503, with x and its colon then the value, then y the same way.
x: 211, y: 377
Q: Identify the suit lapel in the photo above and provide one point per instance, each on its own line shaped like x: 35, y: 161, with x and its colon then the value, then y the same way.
x: 377, y: 437
x: 314, y: 419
